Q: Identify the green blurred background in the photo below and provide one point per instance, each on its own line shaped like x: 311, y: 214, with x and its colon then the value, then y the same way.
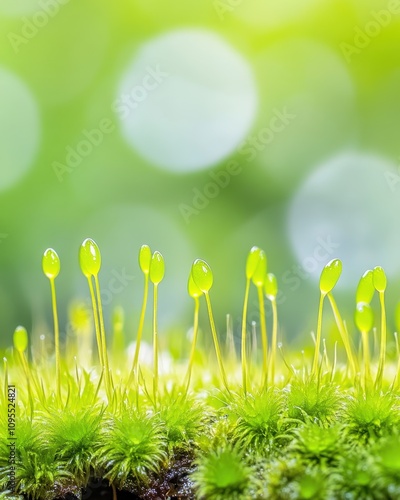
x: 201, y: 128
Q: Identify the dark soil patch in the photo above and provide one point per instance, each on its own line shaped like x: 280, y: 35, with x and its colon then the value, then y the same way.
x: 173, y: 483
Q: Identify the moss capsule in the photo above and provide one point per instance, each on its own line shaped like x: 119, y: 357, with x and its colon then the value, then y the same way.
x: 157, y: 268
x: 271, y: 286
x: 145, y: 259
x: 20, y: 339
x: 252, y: 261
x: 193, y: 290
x: 260, y: 271
x: 330, y: 276
x: 366, y: 288
x: 90, y: 258
x: 202, y: 275
x: 380, y: 280
x: 51, y: 264
x: 364, y: 317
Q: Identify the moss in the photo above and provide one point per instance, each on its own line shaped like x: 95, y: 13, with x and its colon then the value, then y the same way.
x: 225, y: 429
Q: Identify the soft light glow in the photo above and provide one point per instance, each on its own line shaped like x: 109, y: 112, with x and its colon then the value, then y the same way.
x: 187, y: 100
x: 19, y: 129
x: 346, y: 209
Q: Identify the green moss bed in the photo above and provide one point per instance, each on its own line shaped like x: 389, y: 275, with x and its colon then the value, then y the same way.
x: 235, y: 422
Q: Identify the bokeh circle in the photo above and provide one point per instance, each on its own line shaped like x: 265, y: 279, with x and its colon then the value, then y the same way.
x: 187, y: 100
x: 20, y: 129
x: 348, y: 208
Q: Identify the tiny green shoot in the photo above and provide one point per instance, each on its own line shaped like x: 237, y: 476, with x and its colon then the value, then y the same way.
x: 145, y: 258
x: 194, y: 292
x: 90, y: 262
x: 380, y: 284
x: 271, y: 292
x: 156, y: 275
x: 252, y: 261
x: 258, y: 279
x: 328, y: 279
x: 203, y: 278
x: 364, y: 319
x: 51, y: 269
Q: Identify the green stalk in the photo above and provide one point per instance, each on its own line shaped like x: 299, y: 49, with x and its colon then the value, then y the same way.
x: 317, y: 347
x: 244, y: 335
x: 264, y: 337
x: 216, y: 343
x: 194, y: 342
x: 382, y: 353
x: 155, y: 344
x: 56, y: 338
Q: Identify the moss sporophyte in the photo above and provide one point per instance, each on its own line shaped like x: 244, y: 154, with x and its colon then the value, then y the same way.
x: 237, y: 423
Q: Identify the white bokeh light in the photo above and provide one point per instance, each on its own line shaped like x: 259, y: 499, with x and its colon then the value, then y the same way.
x: 348, y: 208
x: 187, y: 100
x: 19, y: 129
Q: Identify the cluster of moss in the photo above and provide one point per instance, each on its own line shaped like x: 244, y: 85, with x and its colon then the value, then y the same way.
x: 306, y: 440
x: 310, y: 429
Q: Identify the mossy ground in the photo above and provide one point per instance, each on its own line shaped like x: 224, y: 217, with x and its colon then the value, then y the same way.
x: 216, y: 426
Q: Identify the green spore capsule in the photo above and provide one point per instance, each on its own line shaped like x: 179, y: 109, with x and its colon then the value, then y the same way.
x: 271, y: 286
x: 260, y: 271
x: 157, y: 268
x: 193, y: 290
x: 380, y: 280
x: 51, y: 264
x: 202, y: 275
x: 252, y: 261
x: 364, y: 317
x: 330, y: 276
x: 20, y: 339
x: 90, y: 258
x: 366, y: 288
x: 145, y: 259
